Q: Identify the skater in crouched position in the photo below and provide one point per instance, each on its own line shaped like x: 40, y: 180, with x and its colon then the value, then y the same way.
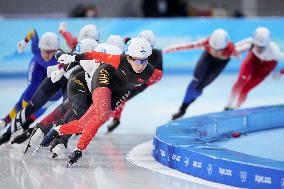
x: 111, y: 85
x: 44, y: 50
x: 217, y: 53
x: 56, y: 80
x: 156, y: 60
x: 80, y: 98
x: 52, y: 83
x: 262, y: 58
x: 89, y: 31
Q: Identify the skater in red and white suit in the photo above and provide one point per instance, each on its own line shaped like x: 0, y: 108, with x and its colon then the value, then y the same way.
x: 262, y: 57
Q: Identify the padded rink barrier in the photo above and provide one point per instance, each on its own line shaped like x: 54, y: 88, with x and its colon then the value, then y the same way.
x: 186, y: 145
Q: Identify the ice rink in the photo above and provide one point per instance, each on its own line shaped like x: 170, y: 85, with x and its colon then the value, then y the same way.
x: 104, y: 165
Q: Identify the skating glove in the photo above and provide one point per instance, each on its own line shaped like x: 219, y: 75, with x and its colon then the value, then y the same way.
x: 21, y: 46
x: 56, y: 75
x: 62, y: 27
x: 66, y: 59
x: 51, y: 69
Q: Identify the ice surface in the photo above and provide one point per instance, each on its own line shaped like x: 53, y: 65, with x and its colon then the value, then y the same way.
x: 104, y: 164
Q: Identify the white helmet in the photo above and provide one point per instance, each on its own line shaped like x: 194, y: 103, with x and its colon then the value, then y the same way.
x: 138, y: 48
x: 112, y: 49
x: 86, y: 45
x: 100, y: 47
x: 89, y: 31
x: 149, y: 36
x: 261, y: 36
x: 49, y: 41
x: 219, y: 39
x: 109, y: 49
x: 116, y: 40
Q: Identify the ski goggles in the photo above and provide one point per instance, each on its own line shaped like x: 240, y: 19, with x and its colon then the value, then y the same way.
x: 49, y: 51
x: 260, y: 47
x: 137, y: 61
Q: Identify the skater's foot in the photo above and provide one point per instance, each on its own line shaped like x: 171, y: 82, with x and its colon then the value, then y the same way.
x: 179, y: 114
x: 49, y: 137
x: 228, y: 108
x: 58, y: 146
x: 74, y: 157
x: 5, y: 137
x: 22, y: 137
x: 57, y: 141
x: 58, y: 150
x: 113, y: 125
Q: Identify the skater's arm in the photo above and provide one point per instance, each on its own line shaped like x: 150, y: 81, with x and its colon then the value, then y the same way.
x: 278, y: 54
x: 243, y: 45
x: 184, y: 47
x: 22, y: 44
x: 113, y: 60
x: 279, y: 57
x: 29, y: 35
x: 155, y: 77
x: 244, y: 41
x: 70, y: 40
x: 35, y: 41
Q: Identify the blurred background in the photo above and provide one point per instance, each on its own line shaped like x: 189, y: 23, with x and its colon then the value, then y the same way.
x: 140, y: 8
x: 173, y: 21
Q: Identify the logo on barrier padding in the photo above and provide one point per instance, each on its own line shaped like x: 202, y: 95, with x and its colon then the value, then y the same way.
x: 197, y: 164
x: 209, y: 169
x: 163, y: 153
x: 262, y: 179
x: 226, y: 172
x: 175, y: 157
x: 243, y: 176
x: 186, y: 161
x: 282, y: 183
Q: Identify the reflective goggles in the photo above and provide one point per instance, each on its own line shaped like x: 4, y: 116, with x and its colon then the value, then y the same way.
x: 137, y: 61
x: 260, y: 47
x: 49, y: 51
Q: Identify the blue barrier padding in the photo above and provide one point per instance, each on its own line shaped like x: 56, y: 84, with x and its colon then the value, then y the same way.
x: 186, y: 145
x: 168, y: 31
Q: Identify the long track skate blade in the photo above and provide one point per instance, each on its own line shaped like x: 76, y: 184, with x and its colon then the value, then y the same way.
x: 27, y: 147
x: 36, y: 150
x: 69, y: 164
x: 54, y: 155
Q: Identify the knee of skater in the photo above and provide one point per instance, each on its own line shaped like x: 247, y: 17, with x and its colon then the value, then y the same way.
x: 79, y: 111
x: 104, y: 116
x: 244, y: 77
x: 195, y: 83
x: 195, y: 79
x: 45, y: 128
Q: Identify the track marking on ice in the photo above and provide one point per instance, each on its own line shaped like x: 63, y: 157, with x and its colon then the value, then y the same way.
x: 141, y: 156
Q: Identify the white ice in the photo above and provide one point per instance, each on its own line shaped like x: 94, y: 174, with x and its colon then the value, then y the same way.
x: 105, y: 158
x: 155, y: 105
